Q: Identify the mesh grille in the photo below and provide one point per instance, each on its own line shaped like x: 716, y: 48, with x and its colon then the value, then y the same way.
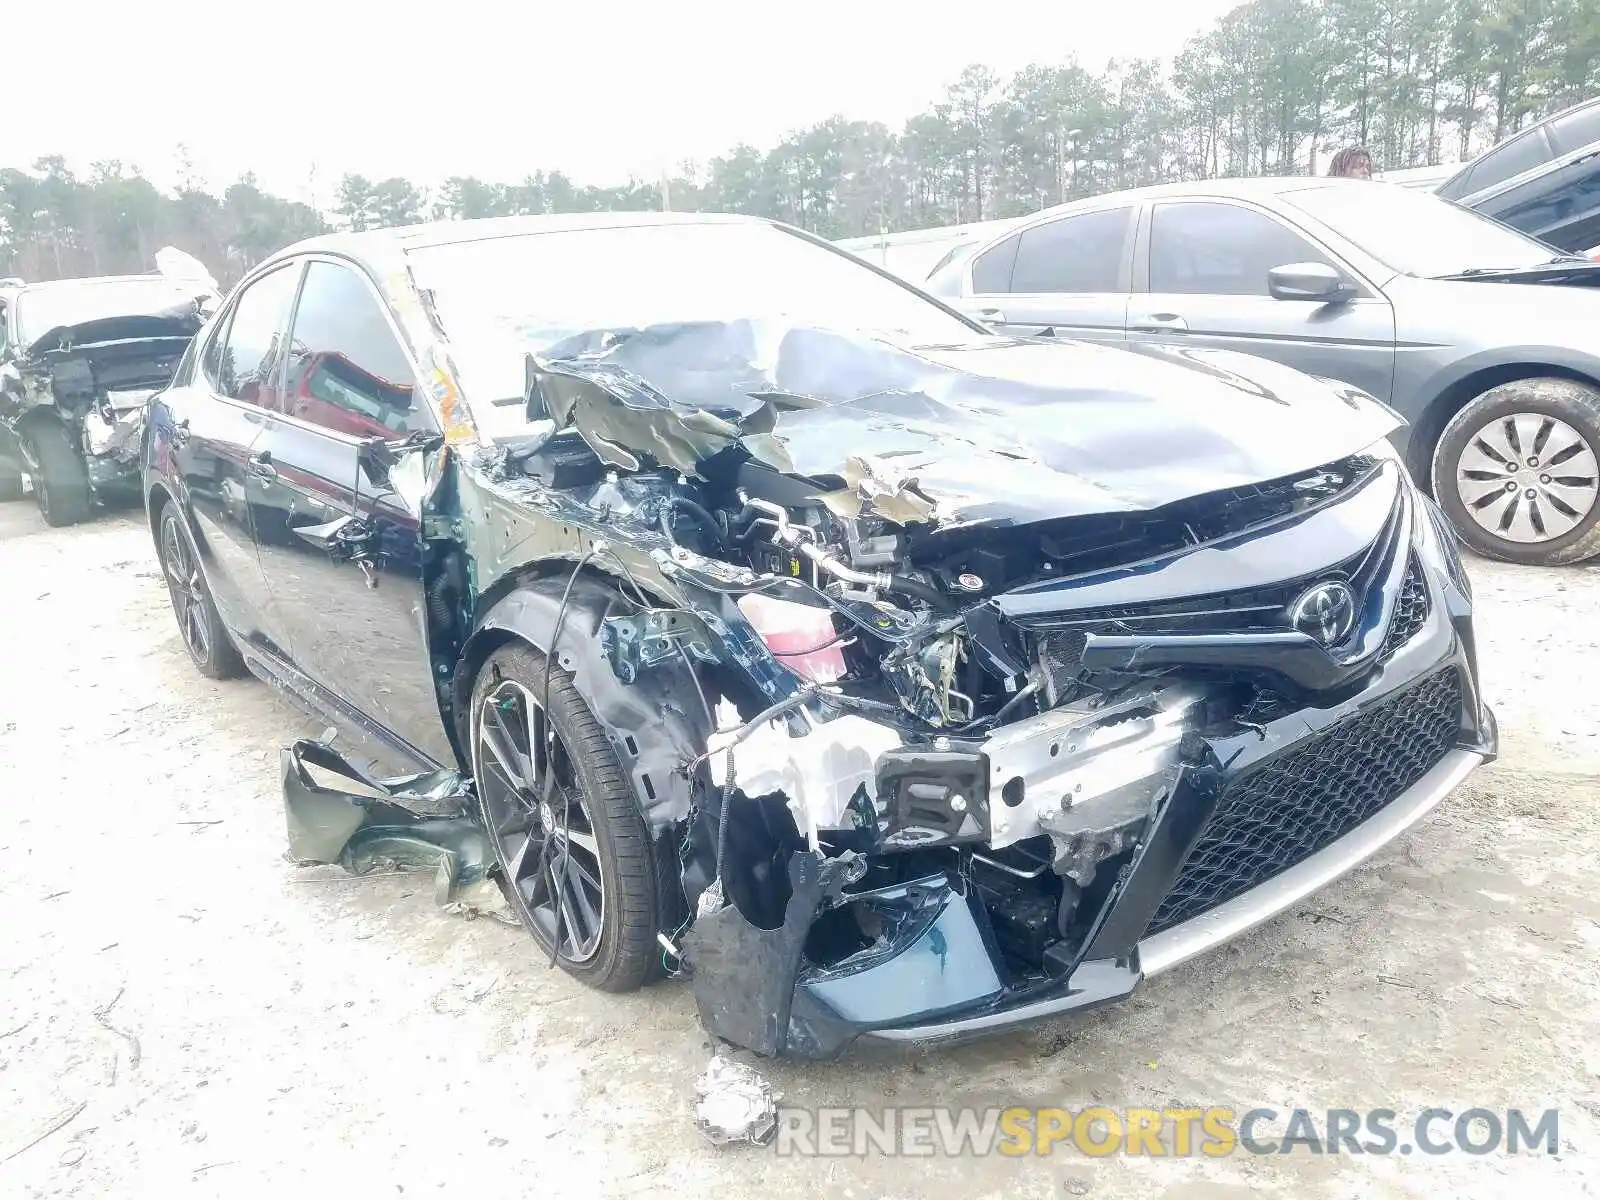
x: 1410, y: 611
x: 1281, y: 814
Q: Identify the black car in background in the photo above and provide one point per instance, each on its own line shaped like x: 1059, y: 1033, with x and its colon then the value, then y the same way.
x: 78, y: 360
x: 1543, y: 180
x: 751, y: 614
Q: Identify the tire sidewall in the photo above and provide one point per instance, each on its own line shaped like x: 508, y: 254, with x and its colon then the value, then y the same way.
x: 213, y: 664
x: 1561, y: 399
x: 525, y: 665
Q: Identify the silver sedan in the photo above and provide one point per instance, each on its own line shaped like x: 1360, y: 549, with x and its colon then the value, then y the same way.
x: 1485, y: 340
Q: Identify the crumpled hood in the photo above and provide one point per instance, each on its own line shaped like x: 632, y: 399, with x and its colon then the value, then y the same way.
x: 995, y: 429
x: 179, y: 323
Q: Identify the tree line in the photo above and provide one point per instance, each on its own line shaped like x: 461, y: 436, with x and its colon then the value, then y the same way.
x: 1273, y: 87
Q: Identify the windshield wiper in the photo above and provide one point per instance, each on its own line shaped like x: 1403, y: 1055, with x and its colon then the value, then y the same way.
x: 1559, y: 265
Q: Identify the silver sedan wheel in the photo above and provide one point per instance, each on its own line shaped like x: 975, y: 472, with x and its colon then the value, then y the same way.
x: 1528, y: 477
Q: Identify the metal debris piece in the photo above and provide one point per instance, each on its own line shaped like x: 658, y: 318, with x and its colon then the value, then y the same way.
x: 737, y: 1104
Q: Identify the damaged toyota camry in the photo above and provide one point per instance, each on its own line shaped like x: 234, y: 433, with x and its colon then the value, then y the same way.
x: 750, y: 616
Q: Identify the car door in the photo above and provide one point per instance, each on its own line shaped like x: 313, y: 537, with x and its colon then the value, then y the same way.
x: 1201, y: 280
x: 342, y: 550
x: 1068, y: 275
x: 217, y: 415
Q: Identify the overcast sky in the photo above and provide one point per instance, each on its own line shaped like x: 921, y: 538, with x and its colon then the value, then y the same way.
x: 497, y: 88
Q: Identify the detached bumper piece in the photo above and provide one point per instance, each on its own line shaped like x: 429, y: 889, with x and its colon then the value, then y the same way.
x: 417, y: 822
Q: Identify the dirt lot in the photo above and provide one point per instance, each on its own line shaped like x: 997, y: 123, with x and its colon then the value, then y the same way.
x: 209, y: 1020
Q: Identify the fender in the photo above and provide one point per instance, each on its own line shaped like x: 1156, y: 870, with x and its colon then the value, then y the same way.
x: 655, y: 724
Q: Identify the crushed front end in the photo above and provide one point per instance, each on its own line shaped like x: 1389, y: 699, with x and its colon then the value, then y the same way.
x: 91, y: 353
x: 972, y: 713
x: 1089, y: 777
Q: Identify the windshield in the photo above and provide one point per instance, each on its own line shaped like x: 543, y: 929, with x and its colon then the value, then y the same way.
x: 1416, y: 233
x: 51, y: 306
x: 498, y: 298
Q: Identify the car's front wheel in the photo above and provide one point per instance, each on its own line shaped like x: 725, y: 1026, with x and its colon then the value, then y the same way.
x: 204, y: 635
x: 575, y: 859
x: 1518, y: 472
x: 60, y: 480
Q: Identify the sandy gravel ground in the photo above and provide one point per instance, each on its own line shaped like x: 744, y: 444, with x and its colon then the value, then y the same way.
x: 192, y: 1016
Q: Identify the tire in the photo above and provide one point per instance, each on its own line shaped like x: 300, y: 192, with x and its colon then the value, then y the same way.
x: 61, y: 482
x: 10, y: 485
x: 637, y: 874
x: 1547, y: 513
x: 206, y: 638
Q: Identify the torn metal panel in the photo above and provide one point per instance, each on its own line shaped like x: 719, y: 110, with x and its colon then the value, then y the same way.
x: 417, y: 822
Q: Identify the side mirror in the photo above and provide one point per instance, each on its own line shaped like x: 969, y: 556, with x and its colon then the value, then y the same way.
x: 1308, y: 281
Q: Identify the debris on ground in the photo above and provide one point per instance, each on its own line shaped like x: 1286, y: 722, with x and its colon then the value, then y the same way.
x: 736, y: 1104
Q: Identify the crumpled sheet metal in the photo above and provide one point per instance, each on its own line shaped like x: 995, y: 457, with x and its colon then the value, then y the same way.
x: 989, y: 430
x: 736, y: 1103
x: 422, y: 824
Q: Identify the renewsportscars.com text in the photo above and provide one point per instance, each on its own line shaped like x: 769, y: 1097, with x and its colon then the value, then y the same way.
x: 1214, y: 1132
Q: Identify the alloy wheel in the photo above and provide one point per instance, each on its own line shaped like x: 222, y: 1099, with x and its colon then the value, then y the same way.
x: 542, y: 828
x: 182, y: 571
x: 1528, y: 477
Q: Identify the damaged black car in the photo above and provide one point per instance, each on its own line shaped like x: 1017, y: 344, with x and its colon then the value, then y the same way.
x: 753, y: 617
x: 79, y: 359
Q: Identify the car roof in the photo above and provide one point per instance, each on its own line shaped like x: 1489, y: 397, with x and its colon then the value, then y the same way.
x: 378, y: 247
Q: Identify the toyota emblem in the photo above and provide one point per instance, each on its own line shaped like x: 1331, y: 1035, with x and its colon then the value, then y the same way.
x: 1326, y: 611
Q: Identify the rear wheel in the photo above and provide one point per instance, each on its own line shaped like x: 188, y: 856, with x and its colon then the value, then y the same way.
x: 1518, y: 472
x: 576, y: 861
x: 204, y: 635
x: 10, y: 484
x: 60, y: 480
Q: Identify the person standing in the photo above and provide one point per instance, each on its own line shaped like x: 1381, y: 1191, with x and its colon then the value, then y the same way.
x: 1353, y: 162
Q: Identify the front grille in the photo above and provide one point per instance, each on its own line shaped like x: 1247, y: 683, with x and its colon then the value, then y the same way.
x: 1282, y: 813
x: 1410, y: 611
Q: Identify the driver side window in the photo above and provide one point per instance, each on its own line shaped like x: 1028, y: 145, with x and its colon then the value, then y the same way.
x: 1216, y: 249
x: 347, y: 370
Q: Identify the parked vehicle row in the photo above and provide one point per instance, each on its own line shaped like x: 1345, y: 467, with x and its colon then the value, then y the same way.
x: 753, y: 615
x: 1481, y: 337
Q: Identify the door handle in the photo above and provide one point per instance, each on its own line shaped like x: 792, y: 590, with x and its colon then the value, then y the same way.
x: 993, y: 316
x: 260, y: 466
x: 1159, y: 323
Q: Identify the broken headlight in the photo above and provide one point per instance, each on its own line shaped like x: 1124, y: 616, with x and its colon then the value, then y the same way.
x: 800, y: 636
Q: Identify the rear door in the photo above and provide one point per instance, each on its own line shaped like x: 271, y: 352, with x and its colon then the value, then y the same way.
x: 218, y: 416
x: 1068, y: 275
x: 355, y: 615
x: 1202, y: 281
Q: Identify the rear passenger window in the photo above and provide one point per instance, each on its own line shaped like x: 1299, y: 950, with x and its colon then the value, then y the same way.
x: 347, y: 369
x: 992, y: 272
x: 1073, y: 254
x: 243, y: 360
